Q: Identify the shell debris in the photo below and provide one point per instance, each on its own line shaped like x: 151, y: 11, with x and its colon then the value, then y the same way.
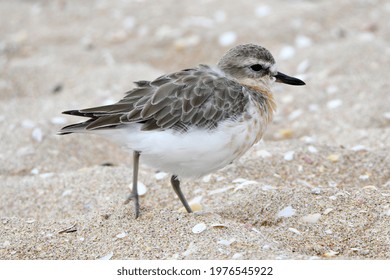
x: 262, y: 11
x: 312, y: 149
x: 333, y: 157
x: 287, y: 133
x: 107, y: 257
x: 121, y: 235
x: 327, y: 211
x: 227, y: 38
x: 311, y: 218
x: 302, y: 41
x: 289, y: 155
x: 160, y: 175
x: 198, y: 228
x: 194, y: 204
x: 263, y: 154
x: 226, y: 242
x: 294, y: 230
x: 237, y: 256
x: 37, y: 134
x: 287, y: 52
x: 220, y: 190
x: 335, y: 103
x: 206, y: 178
x: 191, y: 249
x: 286, y: 212
x: 219, y: 226
x: 330, y: 254
x: 142, y: 189
x: 370, y: 187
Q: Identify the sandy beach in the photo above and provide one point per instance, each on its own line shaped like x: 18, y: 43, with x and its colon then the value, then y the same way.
x: 316, y: 187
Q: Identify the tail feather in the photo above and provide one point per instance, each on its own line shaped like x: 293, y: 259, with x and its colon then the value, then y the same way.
x: 78, y: 127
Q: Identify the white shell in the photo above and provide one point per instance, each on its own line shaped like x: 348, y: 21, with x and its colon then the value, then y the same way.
x: 121, y: 235
x: 107, y: 257
x: 286, y: 212
x: 289, y: 155
x: 142, y: 189
x: 199, y: 228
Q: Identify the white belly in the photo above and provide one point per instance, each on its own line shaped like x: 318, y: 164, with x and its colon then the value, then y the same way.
x: 193, y: 153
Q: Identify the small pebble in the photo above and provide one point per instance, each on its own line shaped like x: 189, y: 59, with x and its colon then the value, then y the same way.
x: 312, y: 149
x: 57, y: 88
x: 199, y: 228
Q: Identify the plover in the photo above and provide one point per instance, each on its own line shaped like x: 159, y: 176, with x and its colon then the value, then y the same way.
x: 194, y: 121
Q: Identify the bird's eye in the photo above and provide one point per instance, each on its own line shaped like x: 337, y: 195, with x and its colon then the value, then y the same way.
x: 256, y: 67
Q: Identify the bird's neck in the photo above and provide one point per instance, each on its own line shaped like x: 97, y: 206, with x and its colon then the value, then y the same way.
x: 263, y: 90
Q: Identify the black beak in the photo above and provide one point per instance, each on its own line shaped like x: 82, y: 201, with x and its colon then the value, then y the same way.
x: 283, y: 78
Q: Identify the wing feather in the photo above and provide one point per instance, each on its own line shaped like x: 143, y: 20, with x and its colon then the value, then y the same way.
x: 193, y: 97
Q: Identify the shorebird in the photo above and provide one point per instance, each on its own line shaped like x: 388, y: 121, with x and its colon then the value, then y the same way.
x: 194, y: 121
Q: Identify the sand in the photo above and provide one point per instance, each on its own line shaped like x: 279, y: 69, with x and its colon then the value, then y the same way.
x: 317, y: 187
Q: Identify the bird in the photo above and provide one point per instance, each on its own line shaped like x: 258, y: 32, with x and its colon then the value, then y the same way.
x: 192, y: 122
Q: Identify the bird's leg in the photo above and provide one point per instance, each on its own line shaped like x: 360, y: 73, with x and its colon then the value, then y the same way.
x: 134, y: 191
x: 176, y: 187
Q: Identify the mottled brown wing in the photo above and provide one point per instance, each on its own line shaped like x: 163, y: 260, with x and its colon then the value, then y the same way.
x: 194, y: 97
